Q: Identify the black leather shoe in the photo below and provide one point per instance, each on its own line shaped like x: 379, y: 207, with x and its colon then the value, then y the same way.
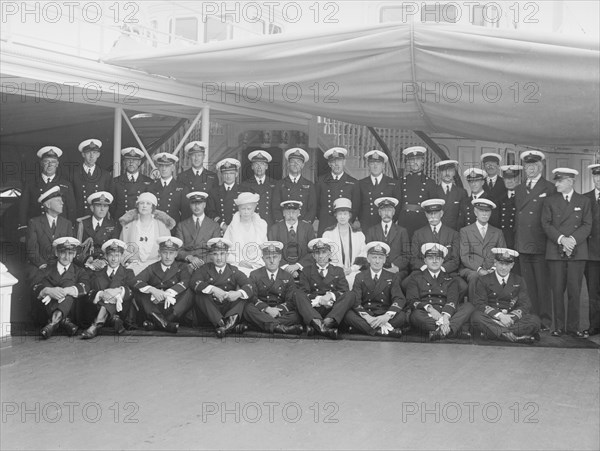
x: 118, y: 324
x: 536, y: 336
x: 436, y: 335
x: 48, y: 330
x: 69, y: 327
x: 395, y: 333
x: 462, y: 335
x: 148, y: 325
x: 525, y: 339
x: 295, y: 329
x: 578, y: 334
x: 161, y: 323
x: 240, y: 328
x: 310, y: 331
x: 91, y: 332
x: 330, y: 323
x: 557, y: 333
x: 544, y: 328
x: 230, y: 323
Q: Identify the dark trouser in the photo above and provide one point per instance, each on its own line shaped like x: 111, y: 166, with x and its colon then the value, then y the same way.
x: 422, y: 321
x: 215, y: 311
x: 529, y: 324
x: 265, y: 322
x: 354, y: 320
x: 566, y: 274
x: 535, y: 272
x: 176, y: 310
x: 336, y: 312
x: 65, y: 307
x: 112, y: 308
x: 592, y: 277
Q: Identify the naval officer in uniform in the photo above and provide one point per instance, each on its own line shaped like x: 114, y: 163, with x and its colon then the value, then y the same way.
x: 261, y: 184
x: 169, y: 191
x: 507, y: 207
x: 296, y: 187
x: 221, y: 199
x: 197, y: 178
x: 592, y: 266
x: 494, y: 183
x: 454, y: 196
x: 130, y: 184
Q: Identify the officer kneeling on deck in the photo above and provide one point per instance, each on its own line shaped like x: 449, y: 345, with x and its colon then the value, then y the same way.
x: 59, y: 284
x: 380, y: 307
x: 110, y: 290
x: 433, y: 295
x: 502, y: 303
x: 221, y: 289
x: 162, y: 288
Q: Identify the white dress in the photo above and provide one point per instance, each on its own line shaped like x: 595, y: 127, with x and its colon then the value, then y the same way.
x: 142, y: 248
x: 246, y: 239
x: 343, y: 254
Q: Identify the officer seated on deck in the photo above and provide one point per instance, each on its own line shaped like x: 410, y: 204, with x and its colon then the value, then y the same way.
x: 502, y: 303
x: 434, y: 297
x: 58, y: 285
x: 380, y: 307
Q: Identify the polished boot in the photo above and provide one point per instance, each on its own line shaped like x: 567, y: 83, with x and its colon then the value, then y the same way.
x: 49, y: 329
x: 319, y: 326
x: 295, y: 329
x: 162, y: 324
x: 230, y: 323
x: 436, y: 335
x: 117, y: 323
x: 92, y: 331
x: 69, y: 327
x: 523, y: 339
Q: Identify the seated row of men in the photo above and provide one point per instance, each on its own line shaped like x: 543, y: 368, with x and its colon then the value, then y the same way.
x: 270, y: 300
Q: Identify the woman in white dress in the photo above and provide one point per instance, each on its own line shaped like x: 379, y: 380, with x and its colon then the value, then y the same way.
x: 349, y: 248
x: 141, y: 228
x: 247, y: 231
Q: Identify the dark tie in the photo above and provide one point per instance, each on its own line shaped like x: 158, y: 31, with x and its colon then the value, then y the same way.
x: 511, y: 195
x: 197, y: 173
x: 164, y: 184
x: 272, y: 277
x: 375, y: 182
x: 112, y: 274
x: 436, y: 237
x: 292, y: 234
x: 490, y: 184
x: 503, y: 282
x: 447, y: 190
x: 131, y: 178
x: 529, y: 186
x: 567, y: 199
x: 53, y: 227
x: 322, y: 272
x: 96, y: 226
x: 376, y: 278
x: 385, y: 231
x: 228, y: 188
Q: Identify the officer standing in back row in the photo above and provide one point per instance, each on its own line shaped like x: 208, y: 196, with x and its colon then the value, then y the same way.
x: 197, y: 178
x: 296, y: 187
x: 130, y: 184
x: 171, y: 193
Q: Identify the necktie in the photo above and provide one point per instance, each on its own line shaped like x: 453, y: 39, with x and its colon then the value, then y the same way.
x: 53, y: 227
x: 89, y: 172
x: 447, y: 189
x: 511, y: 195
x: 197, y: 224
x: 376, y: 278
x: 503, y: 282
x: 61, y: 270
x: 490, y: 183
x: 322, y: 272
x: 112, y: 274
x: 260, y: 182
x: 96, y: 226
x: 164, y: 184
x: 292, y: 234
x: 197, y: 173
x: 567, y: 199
x: 385, y: 230
x: 272, y: 277
x: 228, y: 188
x: 529, y: 186
x: 435, y: 235
x: 131, y: 178
x: 482, y: 230
x: 375, y: 182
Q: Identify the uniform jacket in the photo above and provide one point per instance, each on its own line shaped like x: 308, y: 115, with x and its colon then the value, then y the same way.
x: 594, y: 238
x: 39, y: 238
x: 85, y: 184
x: 415, y: 188
x: 126, y: 193
x: 73, y: 277
x: 304, y: 233
x: 446, y: 237
x: 312, y: 284
x: 176, y: 278
x: 220, y: 203
x: 194, y: 241
x: 303, y: 190
x: 108, y: 230
x: 574, y: 219
x: 265, y: 203
x: 32, y: 190
x: 378, y: 298
x: 122, y: 278
x: 455, y: 200
x: 492, y: 299
x: 498, y: 192
x: 397, y: 240
x: 171, y: 198
x: 508, y: 210
x: 206, y: 181
x: 328, y: 190
x: 232, y: 279
x: 475, y: 251
x: 530, y: 237
x: 368, y: 212
x: 441, y: 294
x: 278, y: 293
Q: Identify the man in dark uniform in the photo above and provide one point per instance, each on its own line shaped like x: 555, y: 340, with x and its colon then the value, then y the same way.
x: 380, y: 308
x: 502, y: 303
x: 508, y: 209
x: 110, y: 290
x: 454, y: 196
x: 530, y: 239
x: 221, y: 206
x: 89, y: 178
x: 296, y: 187
x: 162, y: 288
x: 58, y: 285
x: 261, y: 184
x: 93, y: 231
x: 196, y: 231
x: 433, y: 295
x: 43, y: 230
x: 273, y: 307
x: 567, y: 221
x: 32, y: 189
x: 169, y: 191
x: 197, y: 178
x: 494, y: 184
x: 323, y: 296
x: 592, y: 266
x: 475, y: 178
x: 295, y: 235
x: 374, y: 186
x: 221, y: 289
x: 437, y: 232
x: 416, y: 187
x: 129, y: 185
x: 334, y: 185
x: 395, y: 236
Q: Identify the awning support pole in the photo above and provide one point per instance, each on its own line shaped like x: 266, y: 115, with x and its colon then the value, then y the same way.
x: 137, y: 138
x: 117, y: 143
x: 206, y: 132
x: 188, y: 132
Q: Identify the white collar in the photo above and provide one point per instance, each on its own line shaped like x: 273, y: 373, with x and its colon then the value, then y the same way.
x: 46, y: 178
x: 228, y: 186
x: 378, y: 178
x: 339, y: 176
x: 97, y: 221
x: 500, y: 278
x: 135, y: 175
x: 273, y: 273
x: 378, y: 274
x: 261, y: 179
x: 167, y: 181
x: 109, y: 270
x: 534, y: 180
x: 294, y: 226
x: 198, y: 171
x: 294, y: 178
x: 434, y: 275
x: 389, y: 224
x: 221, y: 269
x: 569, y: 194
x: 493, y: 179
x: 446, y: 185
x: 88, y: 168
x: 324, y: 268
x: 50, y: 219
x: 437, y: 227
x: 59, y: 266
x: 477, y: 196
x: 481, y: 226
x: 198, y: 218
x: 165, y: 268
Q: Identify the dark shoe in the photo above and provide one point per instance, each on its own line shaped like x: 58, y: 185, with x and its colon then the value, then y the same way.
x: 578, y: 334
x: 395, y: 333
x: 91, y: 332
x: 320, y: 327
x: 557, y: 333
x: 48, y: 330
x: 462, y: 335
x: 240, y: 328
x: 148, y: 325
x: 220, y: 332
x: 330, y: 323
x: 536, y: 336
x: 230, y: 323
x: 525, y: 339
x: 295, y: 329
x: 118, y: 324
x: 69, y: 327
x: 544, y: 328
x: 592, y: 331
x: 310, y: 331
x: 161, y: 323
x: 436, y: 335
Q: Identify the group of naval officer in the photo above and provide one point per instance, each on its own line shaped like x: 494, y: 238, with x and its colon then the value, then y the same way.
x: 496, y: 244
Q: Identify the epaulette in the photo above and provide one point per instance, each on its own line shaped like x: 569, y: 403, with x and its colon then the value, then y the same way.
x: 83, y: 218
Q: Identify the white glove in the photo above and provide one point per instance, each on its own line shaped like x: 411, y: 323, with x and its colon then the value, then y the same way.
x: 46, y: 300
x: 316, y: 301
x: 61, y: 299
x: 169, y: 301
x: 386, y: 328
x: 119, y: 303
x: 97, y: 297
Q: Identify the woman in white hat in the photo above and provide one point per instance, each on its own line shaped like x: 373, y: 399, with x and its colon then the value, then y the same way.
x: 247, y: 231
x: 349, y: 249
x: 141, y: 228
